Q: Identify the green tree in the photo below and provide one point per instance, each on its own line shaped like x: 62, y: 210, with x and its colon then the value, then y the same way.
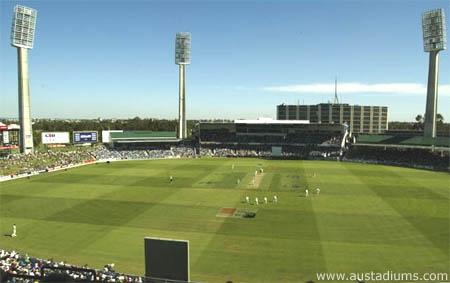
x: 439, y: 119
x: 419, y: 119
x: 419, y: 122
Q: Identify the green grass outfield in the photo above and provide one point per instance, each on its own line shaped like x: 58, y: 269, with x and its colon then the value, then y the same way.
x: 367, y: 217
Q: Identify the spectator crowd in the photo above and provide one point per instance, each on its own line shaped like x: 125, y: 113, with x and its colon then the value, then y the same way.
x: 15, y: 267
x: 15, y: 164
x: 20, y: 163
x: 408, y: 157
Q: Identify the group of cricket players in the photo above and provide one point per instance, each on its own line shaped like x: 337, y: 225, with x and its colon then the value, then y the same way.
x: 247, y: 200
x: 275, y: 199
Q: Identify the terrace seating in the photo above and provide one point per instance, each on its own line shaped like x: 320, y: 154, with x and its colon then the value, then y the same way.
x: 15, y: 164
x: 304, y: 138
x: 420, y: 158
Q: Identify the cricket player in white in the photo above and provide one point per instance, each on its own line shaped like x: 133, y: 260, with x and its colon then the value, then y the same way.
x: 171, y: 179
x: 318, y: 191
x: 14, y: 230
x: 256, y: 172
x: 275, y: 199
x: 307, y: 193
x: 247, y: 199
x: 253, y: 181
x: 238, y: 181
x: 232, y: 166
x: 265, y: 200
x: 256, y: 201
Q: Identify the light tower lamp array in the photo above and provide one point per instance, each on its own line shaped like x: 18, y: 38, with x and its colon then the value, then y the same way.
x: 182, y: 58
x: 22, y: 37
x: 434, y: 40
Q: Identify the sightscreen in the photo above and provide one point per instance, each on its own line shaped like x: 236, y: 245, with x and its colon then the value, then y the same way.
x: 167, y: 259
x: 276, y: 151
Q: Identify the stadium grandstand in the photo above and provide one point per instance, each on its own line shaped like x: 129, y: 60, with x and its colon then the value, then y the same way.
x: 139, y: 138
x: 267, y: 135
x: 401, y: 148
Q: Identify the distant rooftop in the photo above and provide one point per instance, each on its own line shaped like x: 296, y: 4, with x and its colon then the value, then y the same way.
x: 271, y: 121
x: 329, y: 103
x: 143, y: 134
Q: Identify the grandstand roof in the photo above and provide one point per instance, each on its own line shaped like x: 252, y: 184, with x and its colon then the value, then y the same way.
x: 403, y: 140
x: 271, y: 121
x: 143, y: 136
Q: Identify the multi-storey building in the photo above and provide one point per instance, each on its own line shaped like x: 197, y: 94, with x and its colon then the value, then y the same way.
x: 361, y: 119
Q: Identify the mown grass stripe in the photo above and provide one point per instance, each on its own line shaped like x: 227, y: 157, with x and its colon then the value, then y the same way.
x: 425, y: 227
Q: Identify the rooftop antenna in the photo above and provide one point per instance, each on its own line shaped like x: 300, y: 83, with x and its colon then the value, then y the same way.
x: 336, y: 99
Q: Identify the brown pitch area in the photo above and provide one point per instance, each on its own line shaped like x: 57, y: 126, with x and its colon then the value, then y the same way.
x: 227, y: 210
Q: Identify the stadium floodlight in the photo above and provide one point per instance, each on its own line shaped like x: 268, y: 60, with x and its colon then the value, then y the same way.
x: 434, y: 35
x: 23, y: 27
x: 22, y: 37
x: 183, y: 48
x: 434, y: 40
x: 182, y: 58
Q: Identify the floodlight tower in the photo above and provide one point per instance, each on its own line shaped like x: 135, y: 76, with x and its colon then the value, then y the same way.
x: 434, y: 40
x: 182, y: 58
x: 22, y: 37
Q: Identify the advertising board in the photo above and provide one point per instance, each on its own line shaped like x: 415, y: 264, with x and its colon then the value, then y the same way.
x: 55, y: 137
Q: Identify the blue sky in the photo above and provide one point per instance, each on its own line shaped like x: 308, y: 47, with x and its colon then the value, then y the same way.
x: 115, y: 59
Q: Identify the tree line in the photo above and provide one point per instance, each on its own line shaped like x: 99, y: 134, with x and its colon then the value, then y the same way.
x: 99, y: 125
x: 419, y: 124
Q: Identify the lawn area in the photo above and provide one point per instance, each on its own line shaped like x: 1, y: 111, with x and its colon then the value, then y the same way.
x: 366, y: 218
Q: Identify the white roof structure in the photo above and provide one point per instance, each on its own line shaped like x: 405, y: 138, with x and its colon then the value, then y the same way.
x: 271, y: 121
x: 13, y: 127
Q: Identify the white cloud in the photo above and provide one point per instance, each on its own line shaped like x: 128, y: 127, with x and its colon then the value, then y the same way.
x: 388, y: 88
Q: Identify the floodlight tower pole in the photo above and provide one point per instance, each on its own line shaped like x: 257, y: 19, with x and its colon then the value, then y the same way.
x: 432, y: 94
x: 22, y: 37
x: 434, y: 39
x: 182, y: 104
x: 26, y: 130
x: 182, y: 58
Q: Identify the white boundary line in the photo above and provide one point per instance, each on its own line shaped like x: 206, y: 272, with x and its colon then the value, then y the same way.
x: 23, y: 175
